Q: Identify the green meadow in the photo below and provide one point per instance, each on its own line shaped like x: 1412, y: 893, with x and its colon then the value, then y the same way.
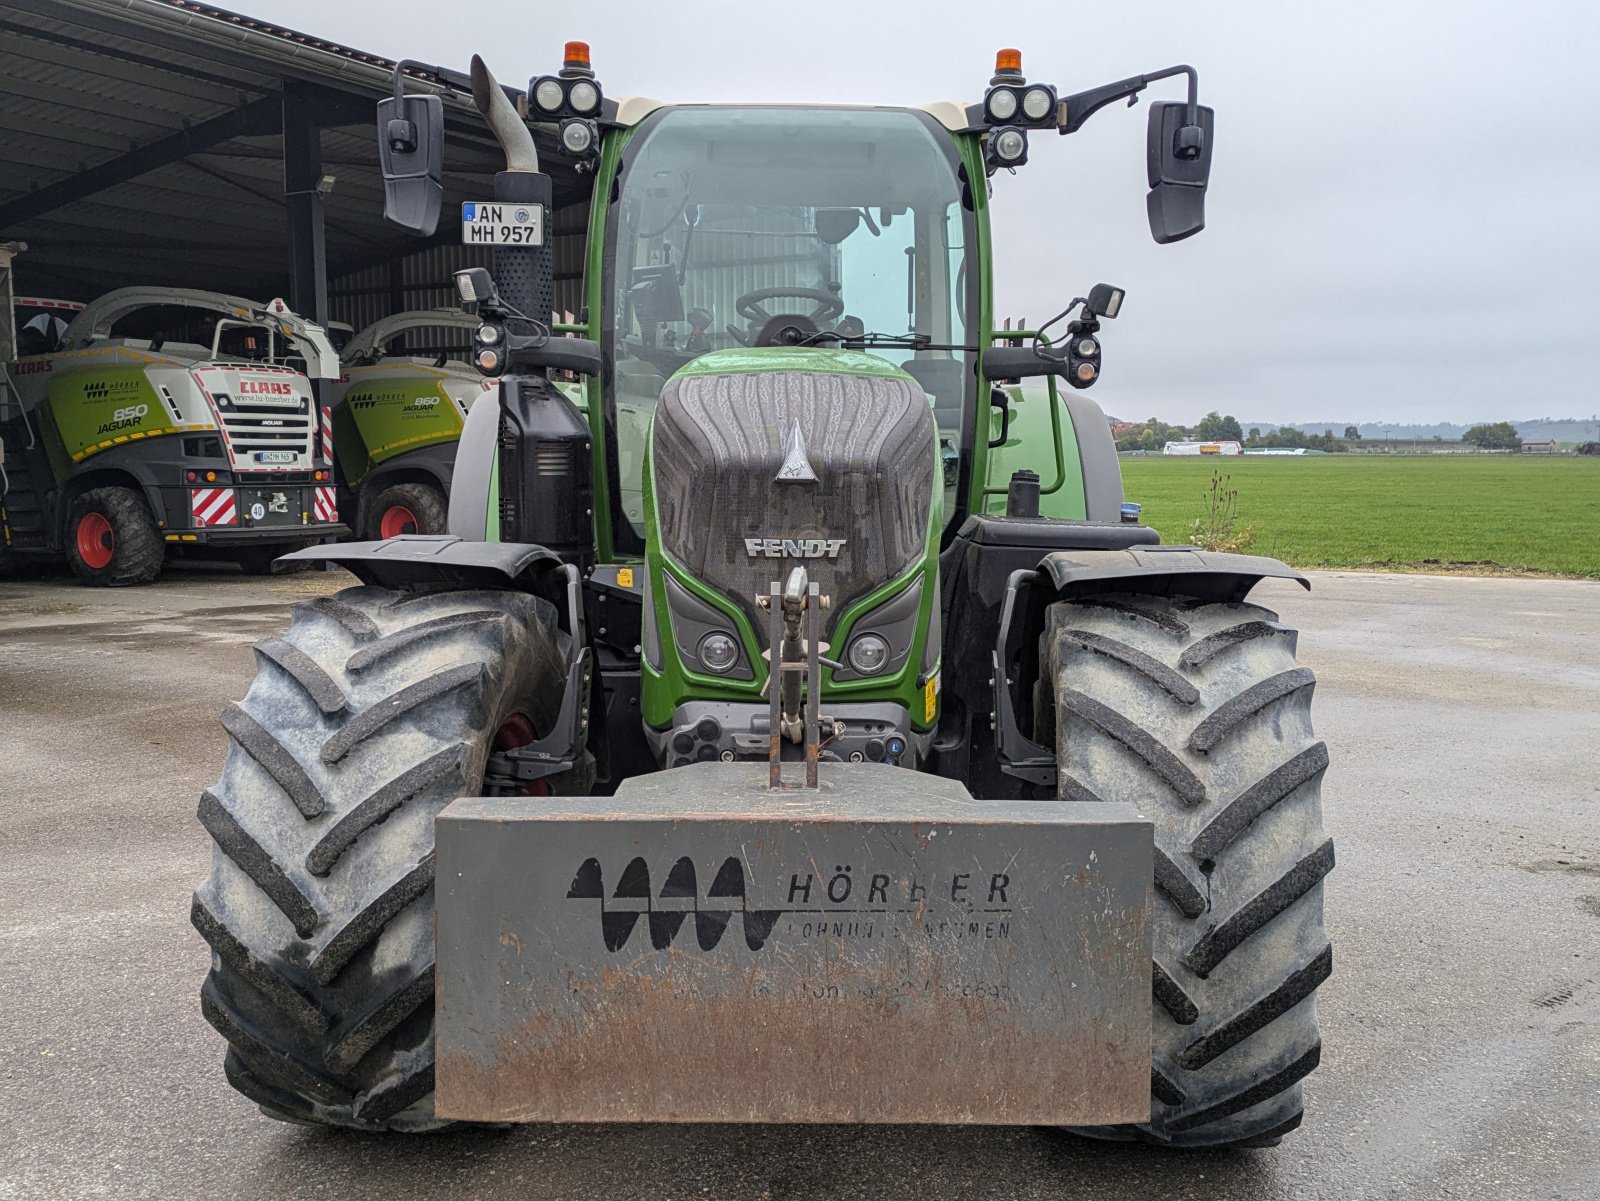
x: 1487, y: 513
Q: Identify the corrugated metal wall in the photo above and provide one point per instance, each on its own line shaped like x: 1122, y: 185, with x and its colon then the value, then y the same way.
x: 422, y: 280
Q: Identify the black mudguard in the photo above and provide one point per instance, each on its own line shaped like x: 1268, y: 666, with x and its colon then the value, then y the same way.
x: 414, y: 559
x: 1209, y: 576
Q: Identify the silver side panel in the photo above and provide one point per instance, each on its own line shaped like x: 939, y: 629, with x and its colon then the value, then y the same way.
x: 1097, y: 452
x: 475, y: 464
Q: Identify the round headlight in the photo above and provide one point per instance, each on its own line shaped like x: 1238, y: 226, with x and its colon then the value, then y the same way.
x: 1036, y: 103
x: 577, y: 136
x: 488, y: 360
x: 1086, y: 372
x: 869, y: 654
x: 1088, y: 348
x: 1001, y: 104
x: 584, y: 97
x: 719, y: 652
x: 488, y: 334
x: 1010, y: 145
x: 547, y: 94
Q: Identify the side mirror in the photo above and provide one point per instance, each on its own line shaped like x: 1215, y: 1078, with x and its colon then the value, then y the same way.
x: 411, y: 155
x: 1178, y: 163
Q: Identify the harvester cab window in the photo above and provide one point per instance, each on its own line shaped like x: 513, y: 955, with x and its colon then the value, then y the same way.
x: 245, y: 341
x: 771, y: 226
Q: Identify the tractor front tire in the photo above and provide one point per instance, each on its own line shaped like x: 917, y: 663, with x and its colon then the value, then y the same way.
x: 407, y: 509
x: 112, y: 540
x: 368, y: 717
x: 1196, y: 714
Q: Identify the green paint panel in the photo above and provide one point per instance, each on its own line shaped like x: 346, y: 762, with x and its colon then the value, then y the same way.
x: 1030, y: 444
x: 393, y: 416
x: 96, y: 410
x: 829, y: 361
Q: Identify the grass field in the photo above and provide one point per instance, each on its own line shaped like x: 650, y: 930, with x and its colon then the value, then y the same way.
x: 1428, y: 512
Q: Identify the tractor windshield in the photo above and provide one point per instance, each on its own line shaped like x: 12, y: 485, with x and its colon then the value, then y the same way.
x: 762, y: 226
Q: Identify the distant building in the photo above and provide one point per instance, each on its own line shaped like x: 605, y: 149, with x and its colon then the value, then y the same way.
x: 1539, y: 446
x: 1220, y: 447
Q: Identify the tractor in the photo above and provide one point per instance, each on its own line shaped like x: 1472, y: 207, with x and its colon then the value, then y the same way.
x: 794, y: 724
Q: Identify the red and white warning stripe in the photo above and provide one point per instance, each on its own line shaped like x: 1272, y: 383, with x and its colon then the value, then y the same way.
x: 212, y: 506
x: 326, y: 440
x: 325, y: 505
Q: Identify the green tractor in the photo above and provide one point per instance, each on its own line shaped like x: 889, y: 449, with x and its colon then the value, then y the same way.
x: 648, y: 791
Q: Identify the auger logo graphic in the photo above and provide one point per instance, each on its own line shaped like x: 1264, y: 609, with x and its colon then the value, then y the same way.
x: 632, y: 898
x: 100, y: 389
x: 850, y: 904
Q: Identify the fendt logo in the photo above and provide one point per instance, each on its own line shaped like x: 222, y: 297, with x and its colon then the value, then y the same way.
x: 852, y: 905
x: 794, y: 548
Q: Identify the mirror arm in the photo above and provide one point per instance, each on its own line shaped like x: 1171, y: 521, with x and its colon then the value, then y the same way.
x: 1074, y: 110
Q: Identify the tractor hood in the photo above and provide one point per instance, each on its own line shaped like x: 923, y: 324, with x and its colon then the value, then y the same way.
x: 766, y: 458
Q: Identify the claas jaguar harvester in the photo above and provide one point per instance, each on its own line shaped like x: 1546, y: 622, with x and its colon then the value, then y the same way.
x: 168, y: 420
x: 776, y: 736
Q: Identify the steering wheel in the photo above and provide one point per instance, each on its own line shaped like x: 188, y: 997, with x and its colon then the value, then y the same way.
x: 749, y: 305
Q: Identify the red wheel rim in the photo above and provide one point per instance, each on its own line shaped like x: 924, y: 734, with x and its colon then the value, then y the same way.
x: 397, y: 520
x: 517, y: 731
x: 97, y: 543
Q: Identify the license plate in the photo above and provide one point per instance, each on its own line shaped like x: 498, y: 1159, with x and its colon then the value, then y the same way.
x: 275, y: 456
x: 493, y: 223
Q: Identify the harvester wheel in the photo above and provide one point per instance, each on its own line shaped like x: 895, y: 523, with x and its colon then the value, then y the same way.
x: 407, y: 509
x: 1196, y: 714
x: 112, y: 540
x: 371, y: 714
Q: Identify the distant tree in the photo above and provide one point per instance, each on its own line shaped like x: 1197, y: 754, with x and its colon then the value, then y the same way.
x: 1255, y: 435
x: 1502, y: 435
x: 1214, y: 426
x: 1353, y: 433
x: 1152, y: 434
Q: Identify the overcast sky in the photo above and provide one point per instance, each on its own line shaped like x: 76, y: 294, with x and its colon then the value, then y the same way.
x: 1404, y: 213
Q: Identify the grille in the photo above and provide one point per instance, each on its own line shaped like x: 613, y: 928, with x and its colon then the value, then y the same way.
x: 266, y: 425
x: 553, y: 459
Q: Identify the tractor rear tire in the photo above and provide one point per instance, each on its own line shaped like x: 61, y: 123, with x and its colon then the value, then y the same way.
x: 112, y: 540
x: 407, y: 509
x: 1196, y: 714
x: 372, y: 713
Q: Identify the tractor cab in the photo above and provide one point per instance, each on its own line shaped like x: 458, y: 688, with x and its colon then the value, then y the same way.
x: 804, y: 228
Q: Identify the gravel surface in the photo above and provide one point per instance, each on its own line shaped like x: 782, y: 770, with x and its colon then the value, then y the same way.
x: 1461, y: 1027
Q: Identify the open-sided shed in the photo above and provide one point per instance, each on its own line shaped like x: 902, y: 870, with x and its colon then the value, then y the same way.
x: 175, y: 143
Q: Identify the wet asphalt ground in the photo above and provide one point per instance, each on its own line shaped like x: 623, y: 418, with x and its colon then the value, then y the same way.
x: 1461, y: 1027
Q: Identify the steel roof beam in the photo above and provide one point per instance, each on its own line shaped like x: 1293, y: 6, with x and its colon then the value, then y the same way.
x: 256, y: 119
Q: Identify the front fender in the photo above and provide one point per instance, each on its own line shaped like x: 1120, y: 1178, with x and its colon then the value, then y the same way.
x: 1210, y: 576
x: 412, y: 559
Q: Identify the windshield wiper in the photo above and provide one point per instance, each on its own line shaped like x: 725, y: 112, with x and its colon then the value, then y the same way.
x: 862, y: 341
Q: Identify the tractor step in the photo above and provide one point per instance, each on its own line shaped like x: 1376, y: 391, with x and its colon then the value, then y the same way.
x: 698, y: 948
